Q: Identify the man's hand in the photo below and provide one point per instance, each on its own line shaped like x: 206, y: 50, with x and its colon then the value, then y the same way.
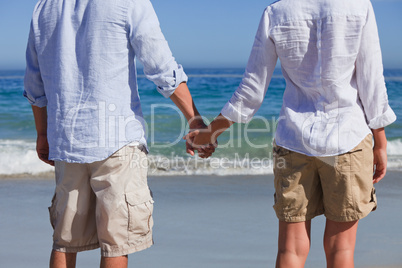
x: 42, y: 146
x: 42, y: 149
x: 204, y: 151
x: 205, y: 139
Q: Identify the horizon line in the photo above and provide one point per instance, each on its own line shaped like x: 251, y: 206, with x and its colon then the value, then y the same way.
x: 190, y: 67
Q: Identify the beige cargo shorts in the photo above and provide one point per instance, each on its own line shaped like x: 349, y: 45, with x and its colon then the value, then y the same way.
x: 104, y: 204
x: 340, y: 187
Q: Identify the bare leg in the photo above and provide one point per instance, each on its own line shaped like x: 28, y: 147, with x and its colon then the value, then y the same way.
x: 339, y: 243
x: 116, y: 262
x: 62, y: 260
x: 293, y: 244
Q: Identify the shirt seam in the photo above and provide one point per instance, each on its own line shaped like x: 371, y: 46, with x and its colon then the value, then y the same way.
x: 329, y: 15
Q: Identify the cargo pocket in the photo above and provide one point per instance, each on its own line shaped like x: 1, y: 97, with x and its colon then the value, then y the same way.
x: 351, y: 161
x: 52, y: 212
x: 140, y: 208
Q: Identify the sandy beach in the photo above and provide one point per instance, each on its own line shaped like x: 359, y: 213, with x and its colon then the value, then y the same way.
x: 200, y: 221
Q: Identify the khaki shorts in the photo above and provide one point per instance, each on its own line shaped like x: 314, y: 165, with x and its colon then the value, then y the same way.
x: 340, y: 187
x: 104, y: 204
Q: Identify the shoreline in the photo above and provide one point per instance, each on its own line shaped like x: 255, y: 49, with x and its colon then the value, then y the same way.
x: 51, y: 175
x: 27, y: 176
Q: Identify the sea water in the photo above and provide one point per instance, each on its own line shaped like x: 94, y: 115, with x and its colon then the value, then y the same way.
x: 243, y: 149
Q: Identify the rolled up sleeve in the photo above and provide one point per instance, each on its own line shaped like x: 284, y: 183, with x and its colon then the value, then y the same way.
x: 370, y: 78
x: 152, y: 49
x: 34, y: 89
x: 250, y: 94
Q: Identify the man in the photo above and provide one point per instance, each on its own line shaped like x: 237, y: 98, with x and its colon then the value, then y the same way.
x: 81, y: 82
x: 334, y: 103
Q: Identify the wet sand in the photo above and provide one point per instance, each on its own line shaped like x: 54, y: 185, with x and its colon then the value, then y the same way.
x: 200, y: 221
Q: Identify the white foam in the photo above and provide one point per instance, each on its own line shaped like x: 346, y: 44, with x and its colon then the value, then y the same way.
x: 394, y: 148
x: 394, y: 163
x: 19, y: 157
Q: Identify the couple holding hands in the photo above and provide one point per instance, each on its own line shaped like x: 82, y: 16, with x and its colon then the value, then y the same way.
x: 81, y: 56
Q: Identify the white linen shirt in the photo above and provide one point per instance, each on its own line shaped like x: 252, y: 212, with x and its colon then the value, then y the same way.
x: 331, y: 60
x: 80, y: 64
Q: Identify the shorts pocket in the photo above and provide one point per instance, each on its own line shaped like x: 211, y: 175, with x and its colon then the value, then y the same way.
x: 140, y: 208
x: 351, y: 161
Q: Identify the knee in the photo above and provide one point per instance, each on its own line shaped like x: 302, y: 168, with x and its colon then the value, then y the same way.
x: 340, y: 237
x: 333, y: 248
x: 299, y: 250
x: 295, y: 258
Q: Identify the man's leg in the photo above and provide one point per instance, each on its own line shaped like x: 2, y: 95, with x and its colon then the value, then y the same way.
x: 62, y: 260
x: 72, y: 214
x: 116, y: 262
x: 124, y: 205
x: 293, y: 244
x: 339, y: 243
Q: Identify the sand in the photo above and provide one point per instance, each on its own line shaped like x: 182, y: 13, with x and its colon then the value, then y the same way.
x: 200, y: 221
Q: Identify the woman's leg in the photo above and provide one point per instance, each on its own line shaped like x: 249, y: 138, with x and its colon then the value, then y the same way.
x: 339, y: 243
x: 293, y: 244
x: 116, y: 262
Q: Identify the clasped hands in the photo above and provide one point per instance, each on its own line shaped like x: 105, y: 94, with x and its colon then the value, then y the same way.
x: 202, y: 140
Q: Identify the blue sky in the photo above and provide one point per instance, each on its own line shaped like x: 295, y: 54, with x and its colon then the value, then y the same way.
x: 208, y: 33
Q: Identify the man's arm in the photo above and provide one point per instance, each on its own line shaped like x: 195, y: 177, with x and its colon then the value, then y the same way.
x: 183, y: 100
x: 152, y: 49
x: 34, y: 91
x: 380, y: 154
x: 42, y: 145
x: 160, y: 67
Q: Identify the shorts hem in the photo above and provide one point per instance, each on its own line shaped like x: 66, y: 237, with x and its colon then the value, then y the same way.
x: 75, y: 249
x: 349, y: 218
x: 299, y: 218
x: 125, y: 251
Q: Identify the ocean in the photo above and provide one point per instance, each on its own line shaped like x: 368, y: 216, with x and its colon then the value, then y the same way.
x: 243, y: 150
